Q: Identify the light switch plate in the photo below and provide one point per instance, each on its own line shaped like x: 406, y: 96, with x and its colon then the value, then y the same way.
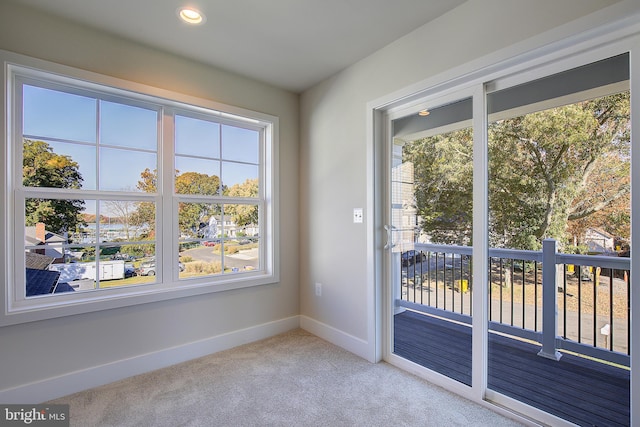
x: 357, y: 215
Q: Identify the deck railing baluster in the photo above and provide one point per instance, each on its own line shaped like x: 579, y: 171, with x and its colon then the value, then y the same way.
x: 444, y: 280
x: 579, y: 305
x: 421, y: 276
x: 535, y: 296
x: 461, y: 285
x: 413, y: 269
x: 429, y: 276
x: 595, y: 310
x: 436, y: 276
x: 524, y: 300
x: 511, y: 290
x: 501, y: 286
x: 610, y: 337
x: 564, y: 304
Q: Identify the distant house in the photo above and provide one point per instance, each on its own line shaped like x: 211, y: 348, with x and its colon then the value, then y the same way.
x: 43, y: 248
x: 38, y: 236
x: 598, y: 240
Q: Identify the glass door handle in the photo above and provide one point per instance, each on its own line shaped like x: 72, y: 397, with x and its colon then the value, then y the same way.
x: 390, y: 229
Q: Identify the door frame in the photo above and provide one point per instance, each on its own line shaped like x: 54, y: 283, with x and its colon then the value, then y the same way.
x: 598, y: 43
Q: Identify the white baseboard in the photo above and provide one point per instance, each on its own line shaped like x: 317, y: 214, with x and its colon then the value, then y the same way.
x: 73, y: 382
x: 335, y: 336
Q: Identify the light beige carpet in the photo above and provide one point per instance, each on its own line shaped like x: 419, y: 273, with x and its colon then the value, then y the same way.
x: 293, y: 379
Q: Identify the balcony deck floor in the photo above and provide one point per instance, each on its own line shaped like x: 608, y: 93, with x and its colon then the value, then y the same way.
x: 583, y: 391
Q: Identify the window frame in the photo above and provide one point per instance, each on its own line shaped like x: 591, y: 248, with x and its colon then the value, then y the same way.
x: 18, y: 70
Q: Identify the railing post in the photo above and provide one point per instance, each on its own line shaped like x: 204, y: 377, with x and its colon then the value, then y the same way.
x: 549, y: 301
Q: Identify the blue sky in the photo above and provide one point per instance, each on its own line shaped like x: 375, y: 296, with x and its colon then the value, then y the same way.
x: 124, y: 138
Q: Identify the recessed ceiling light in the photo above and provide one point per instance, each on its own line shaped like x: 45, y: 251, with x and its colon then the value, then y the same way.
x: 191, y: 15
x: 423, y: 113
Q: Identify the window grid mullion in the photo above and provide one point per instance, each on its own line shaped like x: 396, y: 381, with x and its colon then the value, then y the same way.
x: 167, y: 242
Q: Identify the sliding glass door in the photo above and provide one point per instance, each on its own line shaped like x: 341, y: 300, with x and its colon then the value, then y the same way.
x: 508, y: 221
x: 559, y: 162
x: 430, y: 234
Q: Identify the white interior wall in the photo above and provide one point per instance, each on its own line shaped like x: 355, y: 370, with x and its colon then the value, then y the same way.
x: 334, y: 141
x: 71, y: 353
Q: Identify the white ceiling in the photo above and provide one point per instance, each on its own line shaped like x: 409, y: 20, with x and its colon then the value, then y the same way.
x: 292, y: 44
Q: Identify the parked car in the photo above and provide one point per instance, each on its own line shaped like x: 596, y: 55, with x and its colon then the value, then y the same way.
x: 148, y: 268
x: 411, y: 256
x: 129, y: 270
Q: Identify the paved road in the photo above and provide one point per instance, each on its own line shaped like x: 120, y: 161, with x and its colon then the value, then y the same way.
x: 239, y: 260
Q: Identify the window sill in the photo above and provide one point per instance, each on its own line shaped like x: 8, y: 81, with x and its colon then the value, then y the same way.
x: 61, y: 305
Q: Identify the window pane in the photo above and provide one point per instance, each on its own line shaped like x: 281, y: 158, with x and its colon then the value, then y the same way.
x: 234, y: 174
x: 200, y: 260
x: 56, y: 219
x: 126, y: 220
x: 51, y: 226
x: 433, y: 176
x: 42, y: 166
x: 39, y: 278
x: 145, y: 268
x: 240, y: 144
x: 197, y: 137
x: 54, y: 114
x: 200, y: 221
x: 128, y: 126
x: 240, y: 228
x: 120, y: 170
x: 197, y: 176
x: 82, y: 155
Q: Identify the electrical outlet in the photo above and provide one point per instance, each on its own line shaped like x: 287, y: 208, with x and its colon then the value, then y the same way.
x: 318, y: 289
x: 357, y: 215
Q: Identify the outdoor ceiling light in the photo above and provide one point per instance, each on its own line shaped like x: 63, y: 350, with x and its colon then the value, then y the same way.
x: 423, y: 113
x: 191, y: 15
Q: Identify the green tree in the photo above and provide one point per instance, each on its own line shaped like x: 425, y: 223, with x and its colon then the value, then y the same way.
x: 243, y: 214
x: 197, y: 183
x: 443, y: 177
x: 145, y: 212
x: 41, y: 167
x: 192, y: 216
x: 552, y: 173
x: 544, y: 168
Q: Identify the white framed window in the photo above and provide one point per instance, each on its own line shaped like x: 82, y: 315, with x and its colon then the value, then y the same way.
x: 118, y: 194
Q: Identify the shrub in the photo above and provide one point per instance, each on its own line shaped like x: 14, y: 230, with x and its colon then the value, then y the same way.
x: 201, y: 267
x: 231, y: 249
